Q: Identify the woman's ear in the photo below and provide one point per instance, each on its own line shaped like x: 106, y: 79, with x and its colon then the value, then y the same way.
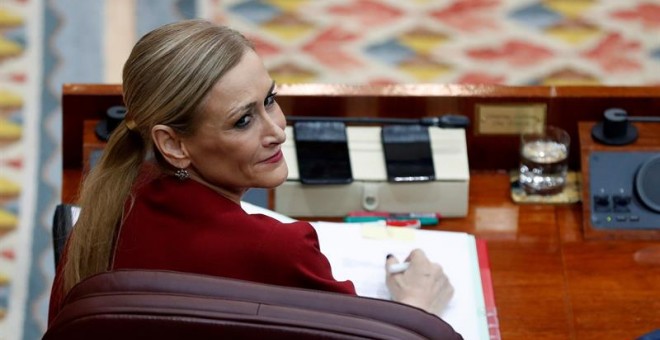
x: 170, y: 145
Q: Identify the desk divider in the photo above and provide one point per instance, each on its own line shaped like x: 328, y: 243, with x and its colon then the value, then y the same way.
x: 370, y: 189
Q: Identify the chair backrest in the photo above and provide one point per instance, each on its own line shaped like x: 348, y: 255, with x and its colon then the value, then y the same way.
x: 63, y: 221
x: 130, y: 304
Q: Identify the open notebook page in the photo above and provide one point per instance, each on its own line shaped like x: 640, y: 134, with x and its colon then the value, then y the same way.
x: 357, y: 252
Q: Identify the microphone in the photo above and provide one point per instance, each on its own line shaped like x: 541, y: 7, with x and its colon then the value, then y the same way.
x: 616, y: 128
x: 113, y: 116
x: 444, y: 121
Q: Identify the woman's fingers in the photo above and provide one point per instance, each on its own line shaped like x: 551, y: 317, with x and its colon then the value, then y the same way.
x: 422, y: 283
x: 390, y: 260
x: 417, y: 255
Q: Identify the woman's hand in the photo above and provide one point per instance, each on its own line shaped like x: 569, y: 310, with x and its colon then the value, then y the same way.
x: 423, y: 284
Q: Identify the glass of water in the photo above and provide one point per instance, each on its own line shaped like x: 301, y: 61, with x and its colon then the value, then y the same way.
x: 544, y: 161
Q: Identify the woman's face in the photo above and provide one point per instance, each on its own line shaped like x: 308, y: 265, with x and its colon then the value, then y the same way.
x: 238, y: 142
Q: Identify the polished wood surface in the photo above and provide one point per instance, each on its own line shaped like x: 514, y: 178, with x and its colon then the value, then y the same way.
x: 549, y: 281
x: 648, y: 140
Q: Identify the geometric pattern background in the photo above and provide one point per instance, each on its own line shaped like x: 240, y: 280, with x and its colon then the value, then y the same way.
x: 477, y: 41
x: 46, y: 43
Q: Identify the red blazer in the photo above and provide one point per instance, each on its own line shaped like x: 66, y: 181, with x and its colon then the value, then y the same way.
x: 186, y: 226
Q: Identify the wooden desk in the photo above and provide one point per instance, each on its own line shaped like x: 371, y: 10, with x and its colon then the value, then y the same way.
x: 549, y: 282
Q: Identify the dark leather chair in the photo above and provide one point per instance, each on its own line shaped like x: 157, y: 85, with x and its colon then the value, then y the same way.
x: 153, y: 304
x: 63, y: 221
x: 148, y: 304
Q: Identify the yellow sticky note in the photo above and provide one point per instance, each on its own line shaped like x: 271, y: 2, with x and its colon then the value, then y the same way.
x: 374, y: 231
x: 402, y: 234
x: 381, y: 232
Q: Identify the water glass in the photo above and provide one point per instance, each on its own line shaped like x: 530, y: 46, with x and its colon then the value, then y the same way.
x: 544, y: 161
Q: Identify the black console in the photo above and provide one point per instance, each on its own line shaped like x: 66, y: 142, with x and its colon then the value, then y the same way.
x: 625, y: 189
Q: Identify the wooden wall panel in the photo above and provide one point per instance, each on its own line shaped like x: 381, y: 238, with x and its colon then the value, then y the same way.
x: 566, y: 106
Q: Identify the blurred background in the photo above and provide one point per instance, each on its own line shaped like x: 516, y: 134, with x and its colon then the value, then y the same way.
x: 46, y: 43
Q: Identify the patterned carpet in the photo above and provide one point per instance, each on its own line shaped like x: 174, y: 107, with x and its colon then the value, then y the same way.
x: 45, y: 43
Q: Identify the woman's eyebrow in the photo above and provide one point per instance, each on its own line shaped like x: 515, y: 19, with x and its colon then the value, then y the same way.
x: 249, y: 106
x: 242, y: 109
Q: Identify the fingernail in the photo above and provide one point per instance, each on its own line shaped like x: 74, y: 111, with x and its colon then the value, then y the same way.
x: 388, y: 256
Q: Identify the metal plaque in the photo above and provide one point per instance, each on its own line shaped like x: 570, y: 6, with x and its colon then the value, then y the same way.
x: 510, y: 119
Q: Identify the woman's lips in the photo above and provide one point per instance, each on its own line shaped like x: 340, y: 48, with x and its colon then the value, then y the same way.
x: 274, y: 158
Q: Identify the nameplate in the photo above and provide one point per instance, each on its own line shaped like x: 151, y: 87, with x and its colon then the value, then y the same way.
x: 510, y: 119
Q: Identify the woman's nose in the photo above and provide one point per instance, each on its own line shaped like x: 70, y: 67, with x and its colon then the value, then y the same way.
x: 275, y: 125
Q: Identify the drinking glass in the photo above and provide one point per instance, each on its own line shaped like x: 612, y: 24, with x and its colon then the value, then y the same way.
x: 544, y: 161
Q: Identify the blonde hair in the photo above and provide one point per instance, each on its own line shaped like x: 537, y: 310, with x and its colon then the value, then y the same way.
x: 165, y: 80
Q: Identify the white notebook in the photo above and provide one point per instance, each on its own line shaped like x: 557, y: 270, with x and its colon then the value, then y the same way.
x: 357, y: 252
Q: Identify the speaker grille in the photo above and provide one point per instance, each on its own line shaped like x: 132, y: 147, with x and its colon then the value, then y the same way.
x: 647, y: 183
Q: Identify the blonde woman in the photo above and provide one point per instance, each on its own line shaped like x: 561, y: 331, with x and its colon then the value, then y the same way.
x: 202, y: 127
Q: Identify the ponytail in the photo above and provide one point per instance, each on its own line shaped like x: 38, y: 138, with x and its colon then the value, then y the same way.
x: 104, y: 193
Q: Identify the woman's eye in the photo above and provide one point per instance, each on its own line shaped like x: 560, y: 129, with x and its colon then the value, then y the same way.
x: 243, y: 121
x: 270, y: 100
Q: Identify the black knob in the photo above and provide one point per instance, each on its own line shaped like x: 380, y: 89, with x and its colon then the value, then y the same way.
x: 621, y: 200
x: 602, y: 200
x: 113, y: 116
x: 615, y: 129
